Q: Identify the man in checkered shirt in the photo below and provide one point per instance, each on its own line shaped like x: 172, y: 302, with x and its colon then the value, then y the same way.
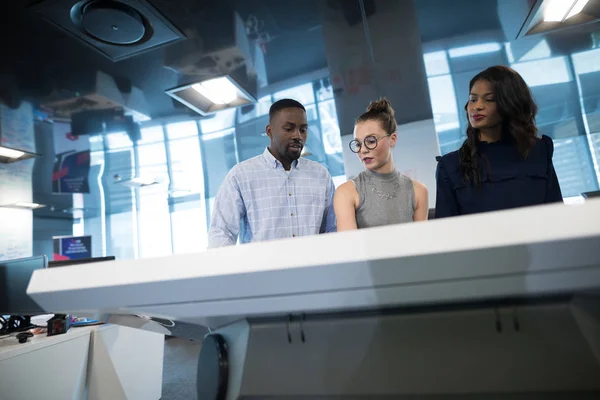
x: 277, y: 194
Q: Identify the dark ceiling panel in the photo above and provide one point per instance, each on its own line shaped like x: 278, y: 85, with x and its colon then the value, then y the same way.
x: 40, y: 59
x: 287, y: 56
x: 441, y: 19
x: 43, y: 59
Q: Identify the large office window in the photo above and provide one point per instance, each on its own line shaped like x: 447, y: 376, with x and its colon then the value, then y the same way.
x: 587, y: 75
x: 188, y: 202
x: 121, y: 229
x: 160, y: 190
x: 249, y: 113
x: 187, y: 172
x: 218, y: 139
x: 332, y: 140
x: 303, y: 93
x: 153, y: 215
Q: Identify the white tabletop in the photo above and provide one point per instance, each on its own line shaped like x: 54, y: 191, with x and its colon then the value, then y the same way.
x: 523, y: 252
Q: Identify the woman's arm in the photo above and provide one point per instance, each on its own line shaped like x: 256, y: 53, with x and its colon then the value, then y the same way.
x: 445, y: 200
x: 344, y: 203
x: 553, y: 192
x: 422, y: 202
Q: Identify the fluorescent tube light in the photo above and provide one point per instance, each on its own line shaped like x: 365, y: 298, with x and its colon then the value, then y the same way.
x: 215, y: 94
x: 218, y: 90
x: 560, y: 10
x: 577, y: 8
x: 24, y: 205
x: 10, y: 153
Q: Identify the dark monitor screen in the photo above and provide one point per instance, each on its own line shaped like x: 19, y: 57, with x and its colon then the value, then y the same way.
x: 66, y: 263
x: 590, y: 195
x: 14, y: 279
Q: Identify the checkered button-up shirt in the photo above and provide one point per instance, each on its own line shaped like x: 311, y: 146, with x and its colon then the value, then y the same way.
x: 259, y: 200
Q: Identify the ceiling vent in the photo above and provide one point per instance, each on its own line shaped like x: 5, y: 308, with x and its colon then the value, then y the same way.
x: 117, y: 29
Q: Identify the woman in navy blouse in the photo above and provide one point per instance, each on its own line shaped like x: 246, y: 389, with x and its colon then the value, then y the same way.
x: 502, y: 164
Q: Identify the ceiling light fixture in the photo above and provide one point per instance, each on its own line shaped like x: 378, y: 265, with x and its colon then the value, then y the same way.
x: 561, y: 10
x: 24, y: 205
x: 218, y: 90
x: 17, y: 138
x: 8, y: 155
x: 212, y: 95
x: 552, y: 15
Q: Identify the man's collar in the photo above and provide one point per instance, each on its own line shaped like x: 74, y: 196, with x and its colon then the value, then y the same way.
x: 273, y: 162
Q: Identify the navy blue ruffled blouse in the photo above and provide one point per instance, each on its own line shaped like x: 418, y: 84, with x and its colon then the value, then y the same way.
x: 509, y: 182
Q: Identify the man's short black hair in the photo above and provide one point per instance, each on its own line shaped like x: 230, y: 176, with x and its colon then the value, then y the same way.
x: 284, y: 103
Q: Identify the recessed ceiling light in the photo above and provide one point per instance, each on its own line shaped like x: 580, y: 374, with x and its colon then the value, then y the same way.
x: 560, y: 10
x: 211, y: 95
x: 552, y: 15
x: 8, y: 155
x: 24, y: 205
x: 28, y: 205
x: 218, y: 90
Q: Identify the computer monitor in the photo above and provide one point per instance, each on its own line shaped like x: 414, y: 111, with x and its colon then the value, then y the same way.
x: 14, y: 279
x: 66, y: 263
x: 591, y: 195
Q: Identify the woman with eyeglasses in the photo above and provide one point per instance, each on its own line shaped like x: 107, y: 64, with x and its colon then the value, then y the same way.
x: 379, y: 195
x: 503, y: 163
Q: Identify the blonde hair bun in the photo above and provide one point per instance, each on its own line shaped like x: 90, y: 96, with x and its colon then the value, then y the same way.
x: 382, y: 105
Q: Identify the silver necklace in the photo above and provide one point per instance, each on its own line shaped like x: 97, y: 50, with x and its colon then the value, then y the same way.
x: 378, y: 189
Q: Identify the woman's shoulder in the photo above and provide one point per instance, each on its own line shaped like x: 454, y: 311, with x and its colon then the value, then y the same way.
x: 543, y: 149
x: 547, y: 143
x: 347, y: 188
x: 354, y: 182
x: 419, y: 187
x: 450, y: 162
x: 347, y: 194
x: 449, y: 158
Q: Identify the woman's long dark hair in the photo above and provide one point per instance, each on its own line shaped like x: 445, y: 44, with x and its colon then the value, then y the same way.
x: 517, y: 109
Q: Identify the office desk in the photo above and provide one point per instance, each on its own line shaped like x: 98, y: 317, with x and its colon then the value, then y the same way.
x: 46, y: 367
x: 99, y: 362
x: 504, y: 303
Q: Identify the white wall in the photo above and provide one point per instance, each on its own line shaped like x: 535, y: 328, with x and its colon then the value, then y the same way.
x: 414, y: 154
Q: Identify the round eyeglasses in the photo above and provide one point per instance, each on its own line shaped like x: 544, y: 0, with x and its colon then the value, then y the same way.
x: 370, y: 143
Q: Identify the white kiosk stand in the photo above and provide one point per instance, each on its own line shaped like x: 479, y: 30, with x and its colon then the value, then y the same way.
x: 499, y: 305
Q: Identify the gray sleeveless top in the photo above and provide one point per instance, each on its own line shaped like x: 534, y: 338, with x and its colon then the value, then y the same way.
x: 384, y: 199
